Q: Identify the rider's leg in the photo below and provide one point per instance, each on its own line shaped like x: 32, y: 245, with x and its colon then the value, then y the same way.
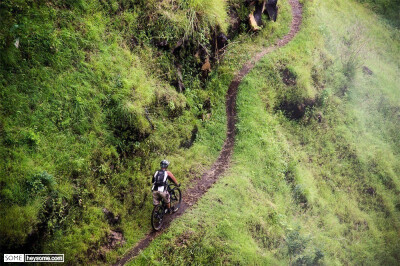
x: 156, y: 198
x: 166, y: 197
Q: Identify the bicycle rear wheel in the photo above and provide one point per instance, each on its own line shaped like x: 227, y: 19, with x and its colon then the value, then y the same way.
x: 157, y: 217
x: 176, y: 198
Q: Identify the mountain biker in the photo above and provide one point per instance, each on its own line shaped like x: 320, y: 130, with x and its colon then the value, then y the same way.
x: 160, y: 185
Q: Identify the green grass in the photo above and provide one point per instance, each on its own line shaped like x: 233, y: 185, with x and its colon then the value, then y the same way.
x: 87, y: 111
x: 75, y: 138
x: 389, y: 10
x: 302, y: 191
x: 74, y: 96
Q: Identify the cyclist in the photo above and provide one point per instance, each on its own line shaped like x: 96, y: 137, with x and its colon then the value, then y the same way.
x: 160, y: 185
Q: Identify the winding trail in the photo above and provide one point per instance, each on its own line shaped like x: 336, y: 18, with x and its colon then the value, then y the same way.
x: 193, y: 194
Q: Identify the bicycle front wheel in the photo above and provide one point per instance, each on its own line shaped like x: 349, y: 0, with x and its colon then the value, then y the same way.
x: 157, y: 217
x: 176, y: 198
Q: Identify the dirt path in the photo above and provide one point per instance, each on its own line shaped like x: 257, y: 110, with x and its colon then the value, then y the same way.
x: 193, y: 194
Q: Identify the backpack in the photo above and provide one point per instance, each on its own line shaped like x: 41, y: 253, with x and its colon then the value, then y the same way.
x: 160, y: 179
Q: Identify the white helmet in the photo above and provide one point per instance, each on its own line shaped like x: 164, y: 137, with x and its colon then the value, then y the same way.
x: 164, y: 164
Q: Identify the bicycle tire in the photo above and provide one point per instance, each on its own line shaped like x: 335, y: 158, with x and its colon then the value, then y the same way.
x: 157, y: 216
x: 176, y: 199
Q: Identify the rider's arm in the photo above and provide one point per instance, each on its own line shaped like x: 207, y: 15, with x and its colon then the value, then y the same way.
x: 172, y: 177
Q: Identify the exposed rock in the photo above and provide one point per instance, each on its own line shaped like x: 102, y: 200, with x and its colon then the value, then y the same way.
x: 296, y: 110
x: 367, y: 71
x: 111, y: 218
x: 370, y: 191
x: 343, y: 90
x: 163, y: 44
x: 201, y: 53
x: 222, y: 41
x: 114, y: 240
x: 184, y: 239
x: 133, y: 42
x: 179, y: 78
x: 207, y: 105
x: 177, y: 47
x: 319, y: 117
x: 206, y: 116
x: 206, y: 66
x: 288, y: 77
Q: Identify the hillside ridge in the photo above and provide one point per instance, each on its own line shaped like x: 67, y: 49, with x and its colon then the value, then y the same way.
x: 193, y: 194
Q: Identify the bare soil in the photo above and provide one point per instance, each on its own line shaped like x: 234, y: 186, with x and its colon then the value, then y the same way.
x: 193, y: 194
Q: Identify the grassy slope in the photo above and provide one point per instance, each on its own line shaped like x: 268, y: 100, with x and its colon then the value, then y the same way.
x: 74, y: 134
x: 303, y: 191
x: 73, y: 129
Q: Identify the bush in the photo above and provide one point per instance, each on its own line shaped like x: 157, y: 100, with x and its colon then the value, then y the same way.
x: 85, y: 94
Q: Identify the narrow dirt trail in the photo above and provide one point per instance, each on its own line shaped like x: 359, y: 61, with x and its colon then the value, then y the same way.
x: 193, y: 194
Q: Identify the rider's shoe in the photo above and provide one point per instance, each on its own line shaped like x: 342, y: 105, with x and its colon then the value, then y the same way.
x: 171, y: 210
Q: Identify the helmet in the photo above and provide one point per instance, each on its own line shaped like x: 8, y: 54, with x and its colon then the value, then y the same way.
x: 164, y: 164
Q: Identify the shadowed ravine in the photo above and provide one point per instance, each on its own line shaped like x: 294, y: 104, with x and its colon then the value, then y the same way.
x: 193, y: 194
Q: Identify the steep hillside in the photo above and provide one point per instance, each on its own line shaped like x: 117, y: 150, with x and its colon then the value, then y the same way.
x: 93, y: 94
x: 315, y: 175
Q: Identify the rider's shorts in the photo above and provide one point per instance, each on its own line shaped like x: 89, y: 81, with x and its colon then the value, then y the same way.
x: 158, y: 195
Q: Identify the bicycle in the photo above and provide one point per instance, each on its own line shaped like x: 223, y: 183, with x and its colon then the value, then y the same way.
x: 157, y: 215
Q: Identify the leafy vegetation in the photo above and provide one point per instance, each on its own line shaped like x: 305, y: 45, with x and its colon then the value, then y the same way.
x: 315, y: 172
x: 90, y: 102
